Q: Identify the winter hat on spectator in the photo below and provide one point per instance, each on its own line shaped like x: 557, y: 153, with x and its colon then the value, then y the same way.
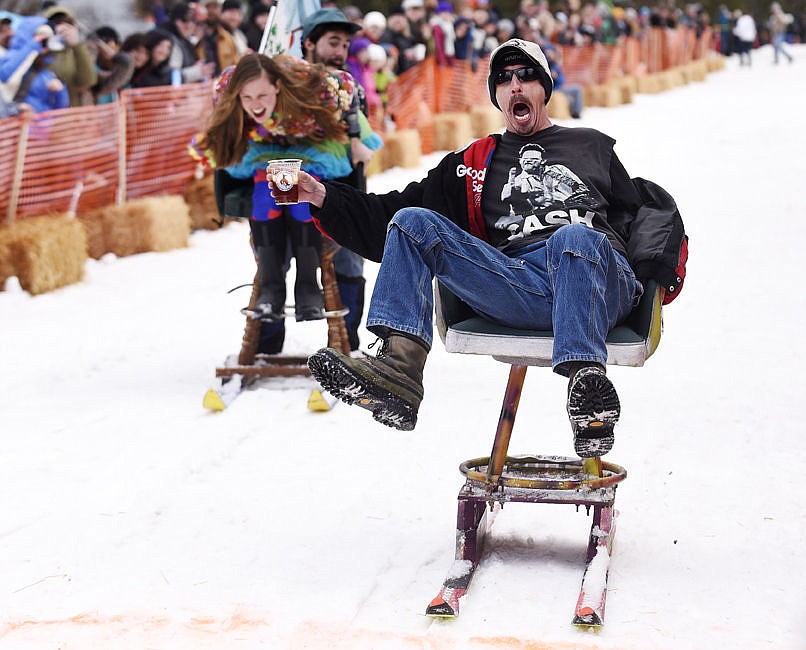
x: 443, y: 6
x: 107, y: 33
x: 227, y: 5
x: 59, y: 14
x: 412, y: 4
x: 376, y: 53
x: 514, y: 52
x: 182, y: 11
x: 316, y: 24
x: 506, y: 25
x: 353, y: 13
x: 258, y: 9
x: 375, y: 19
x: 359, y: 45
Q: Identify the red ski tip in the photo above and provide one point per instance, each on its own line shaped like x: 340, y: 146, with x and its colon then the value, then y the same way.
x: 439, y: 608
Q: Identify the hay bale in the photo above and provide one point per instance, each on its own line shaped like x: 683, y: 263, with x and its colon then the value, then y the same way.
x: 161, y: 223
x: 558, y: 107
x: 402, y: 149
x: 122, y: 235
x: 424, y: 123
x: 649, y: 84
x: 701, y: 68
x: 485, y: 120
x: 6, y: 255
x: 666, y: 80
x: 628, y: 86
x: 155, y: 223
x: 608, y: 95
x: 591, y: 95
x: 47, y: 252
x: 676, y: 77
x: 93, y: 222
x: 452, y: 131
x: 712, y: 63
x: 200, y: 198
x: 375, y: 165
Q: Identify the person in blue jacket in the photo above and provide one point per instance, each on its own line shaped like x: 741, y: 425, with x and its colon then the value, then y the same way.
x: 24, y: 74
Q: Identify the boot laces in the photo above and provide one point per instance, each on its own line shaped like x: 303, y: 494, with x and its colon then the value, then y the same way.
x: 383, y: 348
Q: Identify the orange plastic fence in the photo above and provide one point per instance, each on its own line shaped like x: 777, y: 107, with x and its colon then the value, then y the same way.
x: 160, y: 123
x: 461, y: 86
x: 631, y: 60
x: 608, y: 63
x: 78, y: 159
x: 83, y: 158
x: 579, y: 64
x: 412, y: 102
x: 70, y: 156
x: 10, y: 130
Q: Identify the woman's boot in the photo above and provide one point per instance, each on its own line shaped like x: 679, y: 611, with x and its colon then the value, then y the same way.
x: 306, y: 242
x: 269, y: 239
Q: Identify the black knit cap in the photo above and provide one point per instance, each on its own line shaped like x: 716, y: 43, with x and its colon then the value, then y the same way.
x: 519, y: 52
x: 511, y: 57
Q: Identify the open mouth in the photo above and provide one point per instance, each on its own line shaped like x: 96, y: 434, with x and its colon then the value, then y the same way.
x: 520, y: 110
x: 259, y: 113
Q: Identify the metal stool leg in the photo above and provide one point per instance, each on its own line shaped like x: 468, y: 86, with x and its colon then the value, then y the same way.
x: 509, y: 409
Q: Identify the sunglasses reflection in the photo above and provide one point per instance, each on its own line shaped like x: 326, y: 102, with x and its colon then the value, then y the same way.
x: 523, y: 74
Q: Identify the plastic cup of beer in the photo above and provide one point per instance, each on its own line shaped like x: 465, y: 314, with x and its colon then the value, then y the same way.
x: 285, y: 176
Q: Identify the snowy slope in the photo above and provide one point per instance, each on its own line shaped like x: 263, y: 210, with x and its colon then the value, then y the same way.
x: 131, y: 518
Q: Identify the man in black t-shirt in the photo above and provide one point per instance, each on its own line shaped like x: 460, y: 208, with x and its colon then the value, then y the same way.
x: 537, y: 228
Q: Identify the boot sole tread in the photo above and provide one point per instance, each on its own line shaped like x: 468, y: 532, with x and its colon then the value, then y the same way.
x: 594, y: 410
x: 351, y: 387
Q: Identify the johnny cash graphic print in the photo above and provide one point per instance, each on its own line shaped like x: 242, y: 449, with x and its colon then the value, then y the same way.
x: 534, y: 188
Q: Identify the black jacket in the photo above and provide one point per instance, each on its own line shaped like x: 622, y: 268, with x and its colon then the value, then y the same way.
x: 639, y: 217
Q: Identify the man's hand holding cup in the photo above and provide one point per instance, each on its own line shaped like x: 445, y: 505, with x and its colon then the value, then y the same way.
x: 308, y: 189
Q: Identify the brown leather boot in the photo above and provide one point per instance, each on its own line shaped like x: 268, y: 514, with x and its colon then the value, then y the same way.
x: 389, y: 385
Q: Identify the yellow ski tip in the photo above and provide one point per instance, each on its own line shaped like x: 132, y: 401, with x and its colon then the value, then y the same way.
x: 317, y: 402
x: 213, y: 402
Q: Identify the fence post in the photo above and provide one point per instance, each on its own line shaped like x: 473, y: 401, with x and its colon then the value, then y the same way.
x: 120, y: 196
x: 16, y: 183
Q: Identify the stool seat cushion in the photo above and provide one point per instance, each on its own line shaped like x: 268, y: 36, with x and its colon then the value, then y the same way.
x: 462, y: 331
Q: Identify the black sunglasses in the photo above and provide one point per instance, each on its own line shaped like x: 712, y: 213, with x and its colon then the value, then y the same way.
x: 524, y: 74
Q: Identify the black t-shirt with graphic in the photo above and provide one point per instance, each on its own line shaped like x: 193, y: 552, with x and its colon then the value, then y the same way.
x: 536, y: 184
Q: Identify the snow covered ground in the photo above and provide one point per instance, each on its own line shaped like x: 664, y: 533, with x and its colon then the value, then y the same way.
x: 132, y: 518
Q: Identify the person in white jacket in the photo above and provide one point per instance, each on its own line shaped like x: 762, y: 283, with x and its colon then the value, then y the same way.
x: 745, y: 33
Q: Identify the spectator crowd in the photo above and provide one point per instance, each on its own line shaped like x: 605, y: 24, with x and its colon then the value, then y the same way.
x: 52, y: 60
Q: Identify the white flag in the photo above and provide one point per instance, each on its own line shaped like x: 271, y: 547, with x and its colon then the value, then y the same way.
x: 285, y: 27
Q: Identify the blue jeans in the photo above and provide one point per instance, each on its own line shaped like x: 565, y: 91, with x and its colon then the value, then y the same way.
x: 348, y: 264
x: 573, y: 282
x: 778, y: 46
x: 575, y: 96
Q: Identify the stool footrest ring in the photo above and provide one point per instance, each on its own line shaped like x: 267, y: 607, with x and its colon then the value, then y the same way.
x: 542, y: 473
